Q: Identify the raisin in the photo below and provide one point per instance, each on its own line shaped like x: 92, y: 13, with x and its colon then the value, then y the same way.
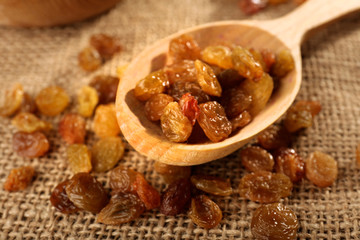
x: 241, y: 120
x: 105, y: 123
x: 122, y: 179
x: 211, y: 184
x: 28, y: 104
x: 12, y: 100
x: 265, y: 187
x: 321, y: 169
x: 87, y: 100
x: 152, y: 84
x: 260, y: 92
x: 86, y: 192
x: 106, y: 153
x: 30, y: 144
x: 147, y: 193
x: 171, y: 173
x: 106, y: 87
x: 89, y: 59
x: 256, y: 159
x: 284, y: 63
x: 296, y: 119
x: 274, y: 137
x: 268, y: 58
x: 174, y: 124
x: 51, y: 101
x: 274, y: 221
x: 72, y: 128
x: 217, y: 55
x: 235, y: 101
x: 105, y: 45
x: 213, y: 121
x: 229, y: 78
x: 183, y: 47
x: 245, y: 64
x: 60, y: 200
x: 176, y: 197
x: 178, y: 89
x: 207, y: 79
x: 358, y: 155
x: 204, y: 212
x: 183, y: 71
x: 250, y: 7
x: 122, y: 208
x: 259, y: 58
x: 19, y: 178
x: 314, y: 107
x: 189, y: 107
x: 288, y: 162
x: 28, y: 122
x: 79, y: 158
x: 154, y: 107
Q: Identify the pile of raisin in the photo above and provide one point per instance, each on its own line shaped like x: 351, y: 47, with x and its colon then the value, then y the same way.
x: 250, y: 7
x: 217, y: 90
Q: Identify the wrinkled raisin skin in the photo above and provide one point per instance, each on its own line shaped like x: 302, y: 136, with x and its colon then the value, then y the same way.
x: 235, y: 101
x: 89, y: 59
x: 28, y: 122
x: 79, y: 158
x: 207, y: 79
x: 30, y: 144
x: 51, y: 101
x: 213, y: 185
x: 147, y: 193
x: 256, y: 159
x: 105, y: 123
x: 288, y: 162
x: 60, y: 200
x: 122, y: 179
x: 204, y: 212
x: 106, y: 87
x: 19, y: 178
x: 152, y: 84
x: 184, y: 47
x: 178, y: 89
x: 105, y: 45
x: 72, y: 128
x: 274, y: 137
x: 189, y: 107
x: 106, y: 153
x: 155, y: 106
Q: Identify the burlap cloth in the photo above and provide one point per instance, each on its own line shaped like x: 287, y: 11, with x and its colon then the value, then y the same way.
x: 41, y: 57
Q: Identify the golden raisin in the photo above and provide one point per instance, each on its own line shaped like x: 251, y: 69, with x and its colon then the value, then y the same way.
x: 288, y: 162
x: 211, y: 184
x: 241, y: 120
x: 89, y: 59
x: 274, y: 137
x: 183, y: 47
x: 28, y: 122
x: 19, y: 178
x: 106, y: 87
x: 152, y: 84
x: 321, y: 169
x: 245, y: 64
x: 106, y: 153
x: 30, y: 144
x: 256, y: 159
x: 183, y: 71
x: 189, y: 107
x: 314, y: 107
x: 171, y: 173
x: 105, y: 123
x: 72, y: 128
x: 178, y: 89
x: 51, y: 101
x: 105, y: 45
x: 147, y: 193
x: 79, y: 158
x: 122, y: 179
x: 284, y: 64
x: 217, y: 55
x: 207, y: 79
x: 155, y: 106
x: 204, y: 212
x: 297, y: 119
x: 28, y: 104
x: 60, y: 200
x: 12, y: 100
x: 87, y: 100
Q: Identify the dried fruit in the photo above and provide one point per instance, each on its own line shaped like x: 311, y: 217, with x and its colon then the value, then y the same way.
x: 174, y: 124
x: 284, y: 64
x: 314, y: 107
x: 155, y: 106
x: 183, y: 71
x: 60, y: 200
x: 87, y: 100
x: 51, y: 101
x: 171, y: 173
x: 207, y: 79
x: 30, y: 144
x: 241, y: 120
x: 122, y: 208
x: 183, y: 47
x: 274, y: 137
x: 213, y: 185
x: 19, y: 178
x: 321, y: 169
x: 122, y: 179
x: 245, y: 64
x: 269, y: 59
x: 229, y: 78
x: 27, y: 104
x: 79, y: 158
x: 147, y: 193
x: 28, y: 122
x: 235, y: 101
x: 86, y: 193
x: 152, y: 84
x: 105, y: 123
x: 189, y: 107
x: 213, y: 121
x: 217, y: 55
x: 12, y: 100
x: 106, y: 153
x: 288, y: 162
x: 265, y: 187
x: 204, y: 212
x: 178, y: 89
x: 250, y: 7
x: 176, y: 197
x: 105, y: 45
x: 89, y: 59
x: 106, y: 87
x: 274, y: 221
x: 256, y: 159
x: 72, y: 128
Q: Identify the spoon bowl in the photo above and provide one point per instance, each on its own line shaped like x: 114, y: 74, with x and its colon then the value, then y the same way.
x: 275, y: 35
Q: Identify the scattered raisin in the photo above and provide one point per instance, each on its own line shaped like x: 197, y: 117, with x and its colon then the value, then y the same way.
x: 51, y: 101
x: 189, y: 107
x: 184, y: 47
x: 72, y: 128
x: 86, y: 192
x: 241, y: 120
x: 122, y: 179
x: 19, y: 178
x: 28, y: 122
x: 171, y: 173
x: 217, y: 55
x: 204, y: 212
x: 105, y: 123
x: 213, y: 185
x: 28, y: 104
x: 256, y: 159
x: 183, y: 71
x: 154, y: 107
x: 106, y: 87
x: 288, y: 162
x: 207, y: 79
x: 89, y: 59
x: 314, y: 107
x: 265, y: 187
x: 30, y: 144
x: 296, y: 119
x: 12, y: 100
x: 250, y: 7
x: 245, y: 63
x: 87, y: 100
x: 147, y: 193
x: 152, y: 84
x: 274, y: 137
x: 321, y: 169
x: 106, y: 153
x: 105, y: 45
x: 274, y: 221
x: 79, y: 158
x: 235, y: 101
x: 60, y: 200
x: 178, y: 89
x: 284, y: 63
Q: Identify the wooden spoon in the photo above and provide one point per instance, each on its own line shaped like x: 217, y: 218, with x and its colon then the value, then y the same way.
x: 284, y: 33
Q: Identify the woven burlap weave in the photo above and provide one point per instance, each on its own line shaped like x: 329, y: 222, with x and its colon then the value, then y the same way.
x: 41, y: 57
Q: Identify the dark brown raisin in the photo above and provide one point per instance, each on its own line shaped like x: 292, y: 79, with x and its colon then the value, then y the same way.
x: 106, y: 86
x: 60, y: 200
x: 235, y: 101
x: 154, y: 107
x: 288, y: 162
x: 274, y: 137
x: 213, y: 185
x: 72, y: 128
x: 204, y: 212
x: 189, y: 107
x: 229, y: 78
x: 184, y: 47
x: 19, y: 178
x: 147, y: 193
x: 241, y: 120
x: 256, y: 159
x: 171, y: 173
x: 105, y: 45
x: 178, y: 89
x: 30, y: 144
x: 28, y: 104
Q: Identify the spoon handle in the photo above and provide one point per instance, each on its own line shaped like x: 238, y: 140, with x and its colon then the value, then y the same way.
x: 312, y: 14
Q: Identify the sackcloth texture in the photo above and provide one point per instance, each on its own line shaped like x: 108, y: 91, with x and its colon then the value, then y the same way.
x: 40, y: 57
